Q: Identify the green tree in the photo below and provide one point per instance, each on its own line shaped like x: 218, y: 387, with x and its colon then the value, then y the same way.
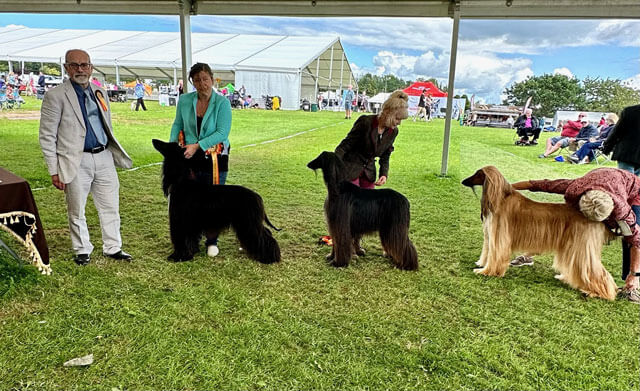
x: 608, y: 95
x: 375, y: 84
x: 549, y: 93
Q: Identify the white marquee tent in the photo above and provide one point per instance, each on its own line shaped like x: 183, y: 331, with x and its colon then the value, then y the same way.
x: 292, y: 67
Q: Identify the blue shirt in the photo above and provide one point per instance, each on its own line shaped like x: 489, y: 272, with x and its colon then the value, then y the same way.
x: 94, y: 137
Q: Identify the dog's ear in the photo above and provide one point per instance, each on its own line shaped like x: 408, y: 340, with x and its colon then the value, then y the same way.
x: 477, y: 179
x: 161, y: 146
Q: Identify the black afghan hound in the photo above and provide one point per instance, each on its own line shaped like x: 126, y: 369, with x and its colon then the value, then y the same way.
x: 352, y: 212
x: 196, y: 208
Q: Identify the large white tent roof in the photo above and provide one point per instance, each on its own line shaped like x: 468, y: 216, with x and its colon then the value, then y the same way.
x: 153, y: 54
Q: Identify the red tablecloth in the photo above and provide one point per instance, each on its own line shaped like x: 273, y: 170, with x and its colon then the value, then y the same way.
x: 19, y: 216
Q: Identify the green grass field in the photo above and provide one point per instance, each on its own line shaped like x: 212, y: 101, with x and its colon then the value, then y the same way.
x: 234, y: 324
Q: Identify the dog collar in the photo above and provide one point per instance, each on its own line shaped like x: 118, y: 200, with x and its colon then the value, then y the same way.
x: 637, y: 274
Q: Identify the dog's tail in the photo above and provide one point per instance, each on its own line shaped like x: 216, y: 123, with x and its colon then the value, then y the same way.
x: 266, y: 220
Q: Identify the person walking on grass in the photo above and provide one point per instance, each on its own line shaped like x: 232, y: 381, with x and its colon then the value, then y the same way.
x: 81, y: 153
x: 140, y: 90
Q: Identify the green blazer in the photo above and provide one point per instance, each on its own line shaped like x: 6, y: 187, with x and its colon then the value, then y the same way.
x: 216, y: 122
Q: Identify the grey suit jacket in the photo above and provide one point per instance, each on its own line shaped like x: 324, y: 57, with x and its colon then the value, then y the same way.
x: 62, y: 132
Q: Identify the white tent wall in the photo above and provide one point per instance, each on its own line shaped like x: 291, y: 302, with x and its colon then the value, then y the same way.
x: 283, y: 84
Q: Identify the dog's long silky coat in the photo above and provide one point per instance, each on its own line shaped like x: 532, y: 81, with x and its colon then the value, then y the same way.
x: 352, y: 212
x: 197, y: 208
x: 512, y: 223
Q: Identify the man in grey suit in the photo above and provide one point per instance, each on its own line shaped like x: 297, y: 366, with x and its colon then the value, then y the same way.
x: 82, y: 154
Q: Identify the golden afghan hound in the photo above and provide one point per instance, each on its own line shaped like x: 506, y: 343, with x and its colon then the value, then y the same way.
x: 514, y: 223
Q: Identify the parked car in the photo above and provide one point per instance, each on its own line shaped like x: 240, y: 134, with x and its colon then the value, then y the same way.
x: 52, y: 81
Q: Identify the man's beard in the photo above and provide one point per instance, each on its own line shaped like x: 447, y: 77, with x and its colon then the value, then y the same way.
x: 81, y: 79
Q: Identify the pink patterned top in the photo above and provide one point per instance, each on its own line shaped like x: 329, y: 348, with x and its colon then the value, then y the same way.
x: 623, y: 186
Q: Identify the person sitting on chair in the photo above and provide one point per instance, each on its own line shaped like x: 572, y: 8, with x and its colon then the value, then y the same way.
x: 569, y: 129
x: 527, y: 124
x: 588, y: 131
x: 586, y: 153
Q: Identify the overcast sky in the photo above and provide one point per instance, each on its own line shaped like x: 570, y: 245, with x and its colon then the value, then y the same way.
x: 492, y: 54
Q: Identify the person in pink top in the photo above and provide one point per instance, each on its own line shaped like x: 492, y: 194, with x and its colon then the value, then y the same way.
x: 615, y: 194
x: 569, y: 130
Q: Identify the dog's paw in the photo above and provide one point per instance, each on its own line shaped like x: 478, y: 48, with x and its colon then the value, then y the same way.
x: 175, y: 257
x: 479, y: 263
x: 338, y: 264
x: 482, y: 271
x: 330, y: 256
x: 359, y: 251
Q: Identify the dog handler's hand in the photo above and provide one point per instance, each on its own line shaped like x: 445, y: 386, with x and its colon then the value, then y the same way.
x: 190, y: 150
x: 381, y: 181
x: 57, y: 183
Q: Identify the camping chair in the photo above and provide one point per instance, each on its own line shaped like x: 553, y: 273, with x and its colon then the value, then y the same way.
x: 601, y: 157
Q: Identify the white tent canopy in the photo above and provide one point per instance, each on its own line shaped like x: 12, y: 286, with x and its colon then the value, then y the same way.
x: 292, y: 67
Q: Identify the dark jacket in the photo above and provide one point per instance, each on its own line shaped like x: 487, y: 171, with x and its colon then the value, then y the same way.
x: 522, y: 120
x: 587, y: 132
x: 362, y: 145
x: 624, y: 139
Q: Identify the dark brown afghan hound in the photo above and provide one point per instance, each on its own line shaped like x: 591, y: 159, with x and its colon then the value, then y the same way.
x: 352, y: 212
x: 514, y: 223
x: 197, y: 208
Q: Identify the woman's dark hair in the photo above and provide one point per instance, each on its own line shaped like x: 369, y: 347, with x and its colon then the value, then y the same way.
x: 200, y: 67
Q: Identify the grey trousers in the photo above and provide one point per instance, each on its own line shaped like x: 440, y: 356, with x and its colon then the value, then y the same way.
x: 96, y: 175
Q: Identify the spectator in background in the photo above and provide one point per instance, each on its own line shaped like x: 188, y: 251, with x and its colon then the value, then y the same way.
x: 569, y: 129
x: 586, y: 153
x: 180, y: 88
x: 248, y: 101
x: 41, y: 80
x: 95, y: 81
x: 139, y: 91
x: 527, y: 124
x: 421, y: 111
x: 347, y: 99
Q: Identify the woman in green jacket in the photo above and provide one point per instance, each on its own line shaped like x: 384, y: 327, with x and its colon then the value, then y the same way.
x: 205, y: 119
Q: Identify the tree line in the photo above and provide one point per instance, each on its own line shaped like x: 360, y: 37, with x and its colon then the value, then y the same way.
x: 551, y: 93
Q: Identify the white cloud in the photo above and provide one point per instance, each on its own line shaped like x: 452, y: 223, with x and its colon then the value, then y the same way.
x: 564, y: 71
x: 633, y: 82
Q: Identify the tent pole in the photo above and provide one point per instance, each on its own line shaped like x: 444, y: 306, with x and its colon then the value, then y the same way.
x: 10, y: 66
x: 315, y: 96
x: 330, y: 70
x: 62, y: 60
x: 117, y: 74
x: 452, y: 74
x: 175, y: 76
x: 185, y: 41
x: 341, y: 70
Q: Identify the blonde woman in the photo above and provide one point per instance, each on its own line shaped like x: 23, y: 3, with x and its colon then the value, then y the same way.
x: 372, y: 136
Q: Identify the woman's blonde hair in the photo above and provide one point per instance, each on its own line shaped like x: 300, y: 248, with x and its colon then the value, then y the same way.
x: 596, y: 205
x: 612, y: 119
x: 397, y: 105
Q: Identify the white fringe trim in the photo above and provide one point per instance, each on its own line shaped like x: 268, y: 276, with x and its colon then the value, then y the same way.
x: 34, y: 254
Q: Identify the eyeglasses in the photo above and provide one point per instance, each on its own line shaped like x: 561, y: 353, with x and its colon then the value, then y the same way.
x: 75, y: 66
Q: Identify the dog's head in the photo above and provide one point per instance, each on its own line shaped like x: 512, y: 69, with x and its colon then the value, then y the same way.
x: 331, y: 165
x: 495, y: 188
x: 176, y: 168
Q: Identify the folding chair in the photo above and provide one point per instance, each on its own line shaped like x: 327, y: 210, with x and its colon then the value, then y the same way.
x: 601, y: 157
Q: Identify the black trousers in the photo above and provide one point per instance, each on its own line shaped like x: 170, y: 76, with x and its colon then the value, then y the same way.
x: 139, y: 103
x: 525, y: 132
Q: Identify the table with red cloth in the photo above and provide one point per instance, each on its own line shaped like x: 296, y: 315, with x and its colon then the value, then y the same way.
x: 19, y: 216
